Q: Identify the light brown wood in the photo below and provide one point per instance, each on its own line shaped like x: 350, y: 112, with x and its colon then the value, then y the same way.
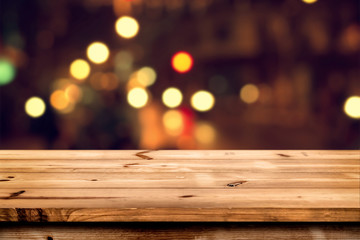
x: 229, y: 185
x: 185, y: 154
x: 174, y: 180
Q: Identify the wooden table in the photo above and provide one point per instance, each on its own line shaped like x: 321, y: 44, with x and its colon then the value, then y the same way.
x: 179, y: 186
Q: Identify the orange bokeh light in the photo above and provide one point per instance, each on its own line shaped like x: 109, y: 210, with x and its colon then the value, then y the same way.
x: 182, y: 62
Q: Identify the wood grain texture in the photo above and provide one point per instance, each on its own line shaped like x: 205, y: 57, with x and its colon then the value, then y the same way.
x: 183, y: 231
x: 231, y: 185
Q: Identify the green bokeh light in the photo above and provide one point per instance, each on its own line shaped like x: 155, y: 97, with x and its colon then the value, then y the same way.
x: 7, y: 72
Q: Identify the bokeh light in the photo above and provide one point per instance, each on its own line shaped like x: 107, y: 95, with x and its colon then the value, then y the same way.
x: 352, y: 107
x: 127, y: 27
x: 97, y: 52
x: 59, y: 100
x: 109, y: 81
x: 73, y: 93
x: 123, y: 60
x: 60, y: 83
x: 35, y: 107
x: 104, y: 81
x: 146, y: 76
x: 173, y: 122
x: 202, y: 101
x: 309, y: 1
x: 137, y: 97
x: 249, y: 93
x: 172, y: 97
x: 133, y: 82
x: 7, y: 72
x: 182, y: 62
x: 80, y: 69
x: 205, y: 133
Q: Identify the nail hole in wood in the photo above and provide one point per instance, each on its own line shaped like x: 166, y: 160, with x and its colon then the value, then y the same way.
x: 15, y: 194
x: 283, y: 155
x: 187, y: 196
x: 234, y: 184
x: 49, y: 238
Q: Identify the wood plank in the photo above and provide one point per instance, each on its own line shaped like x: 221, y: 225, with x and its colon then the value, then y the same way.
x: 180, y: 198
x: 179, y: 181
x: 184, y: 231
x: 185, y: 155
x: 182, y: 185
x: 178, y: 215
x: 179, y: 166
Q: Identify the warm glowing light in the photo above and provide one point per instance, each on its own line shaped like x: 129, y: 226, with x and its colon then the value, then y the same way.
x: 146, y: 76
x: 172, y: 97
x: 205, y: 133
x: 137, y: 97
x: 109, y: 81
x: 123, y: 61
x: 133, y: 82
x: 173, y: 122
x: 60, y: 83
x: 309, y: 1
x: 73, y: 93
x: 98, y: 52
x: 182, y: 62
x: 127, y: 27
x: 35, y: 107
x: 7, y: 72
x: 104, y: 81
x: 352, y: 107
x: 58, y: 100
x: 80, y: 69
x: 249, y: 93
x: 186, y: 142
x: 202, y: 101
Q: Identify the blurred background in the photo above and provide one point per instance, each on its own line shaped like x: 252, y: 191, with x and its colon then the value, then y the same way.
x: 179, y: 74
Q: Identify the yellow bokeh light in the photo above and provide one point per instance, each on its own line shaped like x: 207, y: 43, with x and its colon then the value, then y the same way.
x: 205, y: 133
x: 127, y: 27
x: 352, y: 107
x: 249, y: 93
x: 173, y: 122
x: 309, y: 1
x: 146, y: 76
x: 97, y: 52
x: 35, y: 107
x: 172, y: 97
x: 58, y: 100
x: 80, y: 69
x: 182, y: 62
x: 73, y: 93
x: 202, y: 101
x: 137, y: 97
x: 133, y: 82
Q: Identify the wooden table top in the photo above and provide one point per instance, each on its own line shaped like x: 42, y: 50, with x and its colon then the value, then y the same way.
x: 179, y: 185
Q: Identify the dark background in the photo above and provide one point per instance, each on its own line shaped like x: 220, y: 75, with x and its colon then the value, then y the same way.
x: 304, y: 58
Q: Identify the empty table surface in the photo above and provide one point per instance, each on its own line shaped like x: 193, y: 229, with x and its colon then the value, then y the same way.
x: 179, y: 185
